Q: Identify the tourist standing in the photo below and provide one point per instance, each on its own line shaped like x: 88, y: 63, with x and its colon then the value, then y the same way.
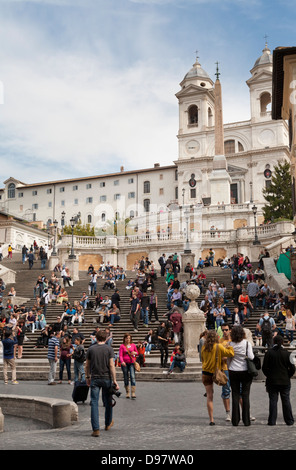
x: 278, y: 369
x: 9, y: 343
x: 53, y: 356
x: 127, y: 357
x: 240, y: 379
x: 100, y: 374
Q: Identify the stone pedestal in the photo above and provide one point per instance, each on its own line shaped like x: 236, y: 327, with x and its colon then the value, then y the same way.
x: 52, y: 262
x: 193, y: 323
x: 73, y: 266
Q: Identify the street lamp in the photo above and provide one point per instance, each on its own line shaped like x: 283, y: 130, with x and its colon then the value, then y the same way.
x: 55, y: 224
x: 63, y: 221
x: 187, y: 247
x: 72, y: 223
x: 256, y: 241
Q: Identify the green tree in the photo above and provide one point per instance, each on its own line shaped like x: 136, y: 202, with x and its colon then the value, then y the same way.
x: 82, y: 230
x: 278, y: 195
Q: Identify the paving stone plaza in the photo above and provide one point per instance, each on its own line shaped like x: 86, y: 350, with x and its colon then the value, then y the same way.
x: 165, y: 418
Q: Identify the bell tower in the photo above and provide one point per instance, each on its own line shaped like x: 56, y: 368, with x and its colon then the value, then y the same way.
x: 196, y: 112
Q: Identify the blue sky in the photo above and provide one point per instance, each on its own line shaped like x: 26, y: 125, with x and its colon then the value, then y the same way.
x: 89, y: 85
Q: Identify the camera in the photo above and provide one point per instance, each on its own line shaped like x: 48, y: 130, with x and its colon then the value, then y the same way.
x: 113, y: 391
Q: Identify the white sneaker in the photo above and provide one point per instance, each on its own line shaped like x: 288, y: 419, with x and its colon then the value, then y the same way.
x: 227, y: 416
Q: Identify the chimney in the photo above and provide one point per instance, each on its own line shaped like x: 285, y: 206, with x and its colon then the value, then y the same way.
x: 122, y: 168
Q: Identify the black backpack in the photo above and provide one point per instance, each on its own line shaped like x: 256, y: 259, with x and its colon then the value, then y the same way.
x: 266, y: 325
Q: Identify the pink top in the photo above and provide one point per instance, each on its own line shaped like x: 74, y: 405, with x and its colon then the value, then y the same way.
x: 123, y: 355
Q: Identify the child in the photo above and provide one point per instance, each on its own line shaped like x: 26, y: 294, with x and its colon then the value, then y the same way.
x: 79, y: 358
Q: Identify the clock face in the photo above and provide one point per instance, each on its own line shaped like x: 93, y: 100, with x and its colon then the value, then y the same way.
x: 267, y: 173
x: 192, y: 183
x: 192, y: 146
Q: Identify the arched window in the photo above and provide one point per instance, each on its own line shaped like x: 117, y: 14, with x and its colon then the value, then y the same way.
x: 210, y: 117
x: 132, y: 214
x: 11, y: 191
x: 193, y: 114
x: 146, y: 186
x: 265, y: 103
x: 146, y: 205
x: 229, y: 146
x: 103, y: 217
x: 89, y: 219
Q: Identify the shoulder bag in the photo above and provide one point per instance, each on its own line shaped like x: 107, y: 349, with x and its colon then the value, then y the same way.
x: 219, y: 376
x: 252, y: 369
x: 136, y: 364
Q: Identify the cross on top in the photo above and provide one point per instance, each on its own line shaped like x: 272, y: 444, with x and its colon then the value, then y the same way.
x: 217, y: 71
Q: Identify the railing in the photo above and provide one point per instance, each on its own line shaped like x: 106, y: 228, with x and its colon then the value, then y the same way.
x: 264, y: 232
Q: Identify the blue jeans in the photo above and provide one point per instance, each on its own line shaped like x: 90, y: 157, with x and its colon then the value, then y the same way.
x: 95, y: 387
x: 219, y: 322
x: 66, y: 363
x: 226, y: 390
x: 180, y: 364
x: 129, y: 373
x: 144, y: 315
x: 113, y: 318
x: 79, y: 369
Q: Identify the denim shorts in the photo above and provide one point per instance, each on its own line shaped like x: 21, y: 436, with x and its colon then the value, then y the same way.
x: 226, y: 390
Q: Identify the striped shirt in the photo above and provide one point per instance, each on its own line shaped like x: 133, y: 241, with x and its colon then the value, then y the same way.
x: 52, y: 343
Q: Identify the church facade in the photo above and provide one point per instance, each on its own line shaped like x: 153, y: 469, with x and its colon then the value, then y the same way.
x: 151, y: 198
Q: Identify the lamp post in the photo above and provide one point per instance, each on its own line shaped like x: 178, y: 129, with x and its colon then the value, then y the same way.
x: 63, y: 221
x: 72, y: 222
x: 187, y: 247
x: 55, y: 224
x: 256, y: 241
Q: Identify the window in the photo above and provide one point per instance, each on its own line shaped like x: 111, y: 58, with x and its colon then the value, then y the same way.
x: 131, y: 195
x: 49, y: 191
x: 176, y: 175
x: 62, y: 203
x: 265, y: 103
x: 11, y: 191
x: 234, y: 193
x: 146, y: 205
x: 193, y: 193
x: 103, y: 217
x: 267, y: 184
x: 50, y: 204
x: 102, y: 184
x: 193, y: 115
x: 62, y: 189
x: 232, y: 146
x: 146, y: 186
x: 89, y: 200
x: 75, y: 187
x: 20, y: 194
x: 34, y: 206
x: 103, y: 198
x: 34, y: 193
x: 89, y: 219
x: 130, y: 180
x: 229, y: 146
x: 88, y: 186
x: 161, y: 191
x: 132, y: 214
x: 116, y: 197
x: 75, y: 202
x: 161, y: 176
x: 116, y: 182
x: 176, y: 192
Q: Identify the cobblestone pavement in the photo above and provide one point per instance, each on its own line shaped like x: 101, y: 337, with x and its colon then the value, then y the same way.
x: 165, y: 417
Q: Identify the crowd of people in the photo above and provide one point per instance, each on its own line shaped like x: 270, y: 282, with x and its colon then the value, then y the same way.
x: 227, y: 312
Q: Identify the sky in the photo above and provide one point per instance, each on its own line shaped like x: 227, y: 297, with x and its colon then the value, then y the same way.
x: 88, y: 86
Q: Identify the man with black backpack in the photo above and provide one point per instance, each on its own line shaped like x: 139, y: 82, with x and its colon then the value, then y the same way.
x: 267, y: 326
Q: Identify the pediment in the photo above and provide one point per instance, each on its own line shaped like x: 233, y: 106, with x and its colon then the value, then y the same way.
x: 260, y: 77
x: 194, y: 89
x: 15, y: 181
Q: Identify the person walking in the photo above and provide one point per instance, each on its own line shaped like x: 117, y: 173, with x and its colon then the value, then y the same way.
x: 100, y: 375
x: 53, y: 356
x: 127, y: 357
x: 226, y: 390
x: 266, y: 326
x: 212, y: 353
x: 278, y: 369
x: 240, y: 379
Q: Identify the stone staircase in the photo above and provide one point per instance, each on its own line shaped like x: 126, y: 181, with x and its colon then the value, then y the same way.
x: 34, y: 365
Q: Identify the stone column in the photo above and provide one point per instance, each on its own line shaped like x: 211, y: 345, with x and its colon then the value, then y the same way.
x: 73, y: 265
x: 193, y: 323
x: 52, y: 262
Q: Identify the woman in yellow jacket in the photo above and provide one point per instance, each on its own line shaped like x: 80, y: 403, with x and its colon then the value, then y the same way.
x: 208, y: 357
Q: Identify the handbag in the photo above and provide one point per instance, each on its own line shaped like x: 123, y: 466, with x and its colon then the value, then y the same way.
x: 219, y: 376
x: 252, y: 369
x: 136, y: 364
